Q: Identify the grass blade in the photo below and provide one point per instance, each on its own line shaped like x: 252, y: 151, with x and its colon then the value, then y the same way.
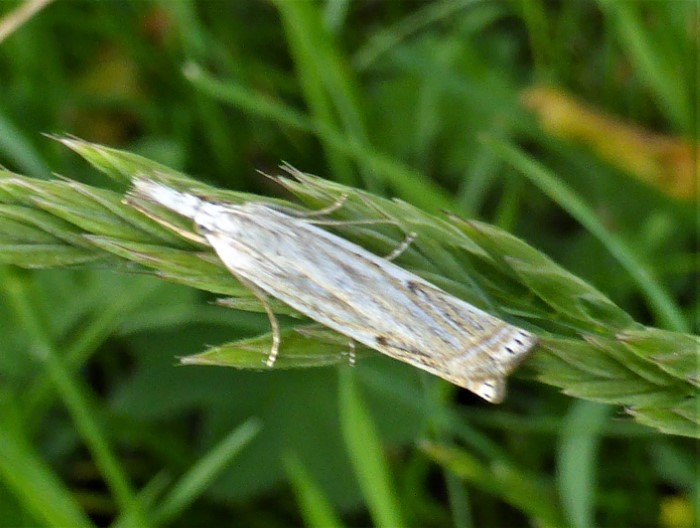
x: 33, y: 483
x: 577, y: 461
x: 367, y: 456
x: 195, y: 481
x: 314, y: 506
x: 660, y: 302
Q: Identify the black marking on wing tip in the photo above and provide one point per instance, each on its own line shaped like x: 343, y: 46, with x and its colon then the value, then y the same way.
x: 510, y: 350
x: 488, y: 391
x: 381, y: 340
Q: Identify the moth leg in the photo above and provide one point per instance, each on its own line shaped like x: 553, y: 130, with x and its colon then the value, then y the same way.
x: 402, y: 247
x: 329, y: 209
x: 310, y: 214
x: 261, y: 296
x: 352, y: 358
x: 275, y: 348
x: 332, y: 208
x: 350, y: 222
x: 301, y: 178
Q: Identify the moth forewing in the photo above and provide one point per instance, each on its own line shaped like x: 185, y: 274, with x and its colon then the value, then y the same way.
x: 356, y: 293
x: 483, y: 349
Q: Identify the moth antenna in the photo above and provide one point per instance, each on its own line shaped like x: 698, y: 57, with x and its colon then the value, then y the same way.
x: 403, y: 246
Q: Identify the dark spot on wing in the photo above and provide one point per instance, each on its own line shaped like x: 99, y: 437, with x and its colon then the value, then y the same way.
x: 446, y: 309
x: 410, y: 351
x: 413, y: 286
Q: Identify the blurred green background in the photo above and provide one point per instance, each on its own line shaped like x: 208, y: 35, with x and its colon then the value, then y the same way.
x: 401, y: 98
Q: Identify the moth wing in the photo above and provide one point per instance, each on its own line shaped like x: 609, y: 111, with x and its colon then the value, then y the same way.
x: 507, y: 352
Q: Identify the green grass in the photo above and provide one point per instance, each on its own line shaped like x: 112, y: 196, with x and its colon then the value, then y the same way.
x: 418, y: 101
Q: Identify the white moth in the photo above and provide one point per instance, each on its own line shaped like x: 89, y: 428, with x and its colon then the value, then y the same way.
x: 352, y: 291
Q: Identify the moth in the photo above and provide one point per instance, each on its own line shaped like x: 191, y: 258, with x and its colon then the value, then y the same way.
x: 358, y: 294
